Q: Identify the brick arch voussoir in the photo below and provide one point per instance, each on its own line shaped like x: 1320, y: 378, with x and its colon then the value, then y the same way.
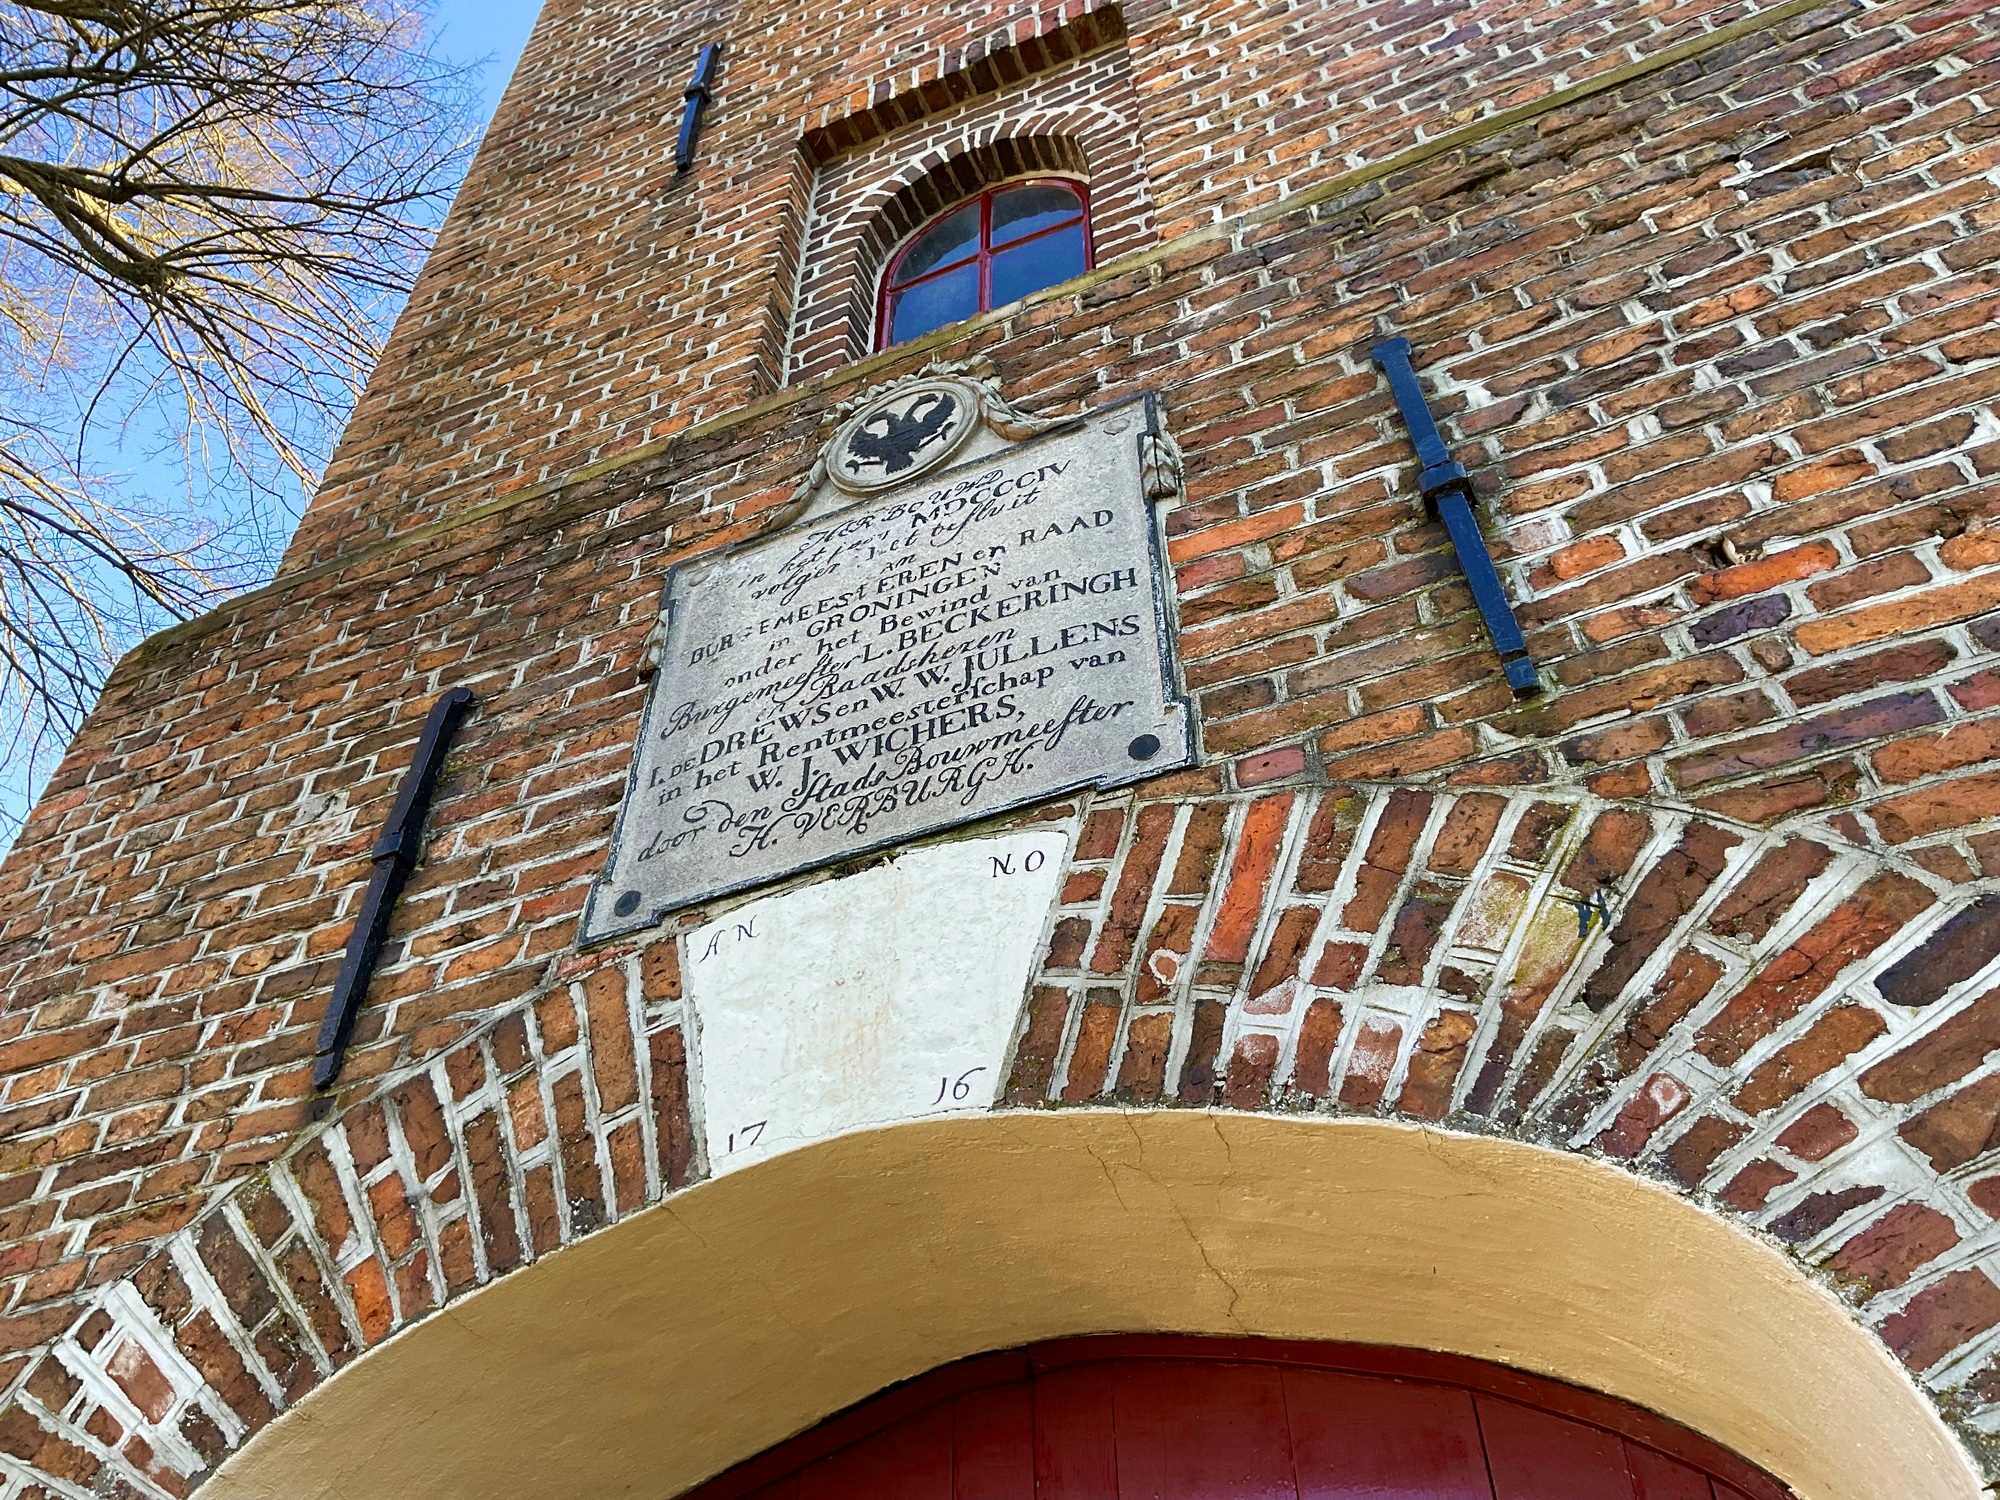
x: 562, y: 1115
x: 1098, y: 132
x: 1791, y: 1023
x: 1787, y: 1022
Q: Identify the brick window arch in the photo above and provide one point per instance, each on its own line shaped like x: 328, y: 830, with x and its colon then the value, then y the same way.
x: 869, y: 206
x: 986, y: 250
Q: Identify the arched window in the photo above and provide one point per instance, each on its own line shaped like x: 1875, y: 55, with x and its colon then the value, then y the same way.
x: 984, y: 253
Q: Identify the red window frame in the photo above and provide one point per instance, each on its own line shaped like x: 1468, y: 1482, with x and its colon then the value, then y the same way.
x: 984, y: 253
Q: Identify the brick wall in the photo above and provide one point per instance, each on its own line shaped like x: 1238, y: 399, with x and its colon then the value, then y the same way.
x: 583, y: 302
x: 1714, y: 327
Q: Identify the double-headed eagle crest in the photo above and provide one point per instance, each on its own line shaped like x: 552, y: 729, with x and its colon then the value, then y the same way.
x: 894, y: 439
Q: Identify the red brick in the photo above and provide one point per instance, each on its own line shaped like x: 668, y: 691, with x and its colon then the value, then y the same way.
x: 1888, y: 1252
x: 1285, y: 949
x: 1765, y: 574
x: 1926, y: 755
x: 1949, y: 804
x: 1435, y: 1064
x: 1955, y: 1130
x: 1369, y: 1062
x: 672, y: 1117
x: 1832, y: 1039
x: 1752, y: 1187
x: 1818, y: 1133
x: 1793, y: 979
x: 1272, y: 765
x: 614, y: 1067
x: 1908, y: 663
x: 1143, y: 1069
x: 1760, y: 898
x: 1134, y: 889
x: 1658, y: 1101
x: 1906, y: 615
x: 1328, y: 839
x: 1809, y: 737
x: 1257, y: 850
x: 1319, y: 1036
x: 1386, y: 859
x: 1667, y: 893
x: 1942, y: 1055
x: 1248, y: 1082
x: 1035, y: 1055
x: 1090, y: 1056
x: 1942, y: 1317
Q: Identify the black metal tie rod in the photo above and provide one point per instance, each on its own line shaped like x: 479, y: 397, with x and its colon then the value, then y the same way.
x: 395, y: 855
x: 1447, y: 491
x: 699, y: 94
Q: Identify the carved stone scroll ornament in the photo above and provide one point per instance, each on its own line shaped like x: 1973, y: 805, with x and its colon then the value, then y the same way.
x: 1159, y: 464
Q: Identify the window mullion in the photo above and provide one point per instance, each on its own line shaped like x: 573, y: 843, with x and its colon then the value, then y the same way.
x: 986, y: 250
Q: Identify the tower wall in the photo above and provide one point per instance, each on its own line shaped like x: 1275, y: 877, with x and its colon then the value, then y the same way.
x: 1704, y: 297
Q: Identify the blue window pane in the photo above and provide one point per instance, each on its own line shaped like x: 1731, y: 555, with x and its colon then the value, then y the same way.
x: 1020, y: 211
x: 954, y: 236
x: 934, y: 303
x: 1039, y: 263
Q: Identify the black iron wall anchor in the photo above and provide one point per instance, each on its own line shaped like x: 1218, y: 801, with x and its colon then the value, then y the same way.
x: 1447, y: 492
x: 699, y: 94
x: 395, y: 855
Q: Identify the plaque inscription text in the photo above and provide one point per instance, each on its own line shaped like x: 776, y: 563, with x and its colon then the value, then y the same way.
x: 985, y: 637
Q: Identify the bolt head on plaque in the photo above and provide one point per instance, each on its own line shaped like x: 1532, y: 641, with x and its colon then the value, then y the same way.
x: 905, y: 434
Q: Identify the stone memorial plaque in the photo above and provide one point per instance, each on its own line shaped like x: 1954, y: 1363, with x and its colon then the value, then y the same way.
x: 988, y: 632
x: 802, y: 1033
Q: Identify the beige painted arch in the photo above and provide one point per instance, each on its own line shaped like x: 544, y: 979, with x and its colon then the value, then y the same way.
x: 662, y: 1350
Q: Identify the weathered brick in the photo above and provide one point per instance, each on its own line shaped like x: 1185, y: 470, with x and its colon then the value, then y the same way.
x: 1668, y: 892
x: 1750, y: 1189
x: 1949, y: 804
x: 1763, y: 896
x: 1658, y: 1101
x: 1766, y: 573
x: 1090, y: 1054
x: 1907, y: 663
x: 1257, y: 848
x: 1319, y: 1035
x: 1939, y: 606
x: 1889, y: 1251
x: 1849, y: 726
x: 1818, y: 1133
x: 1135, y: 883
x: 1941, y: 1317
x: 1386, y: 859
x: 1608, y: 850
x: 1959, y: 948
x: 1955, y: 1130
x: 1832, y: 1039
x: 1793, y: 979
x: 1370, y: 1061
x: 1819, y: 1212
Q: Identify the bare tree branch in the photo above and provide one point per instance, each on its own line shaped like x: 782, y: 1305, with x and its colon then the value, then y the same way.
x: 209, y: 210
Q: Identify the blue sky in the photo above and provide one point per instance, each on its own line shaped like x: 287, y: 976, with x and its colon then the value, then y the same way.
x: 489, y: 30
x: 486, y: 34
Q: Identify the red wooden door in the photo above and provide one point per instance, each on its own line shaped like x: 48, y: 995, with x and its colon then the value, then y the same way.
x: 1214, y: 1419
